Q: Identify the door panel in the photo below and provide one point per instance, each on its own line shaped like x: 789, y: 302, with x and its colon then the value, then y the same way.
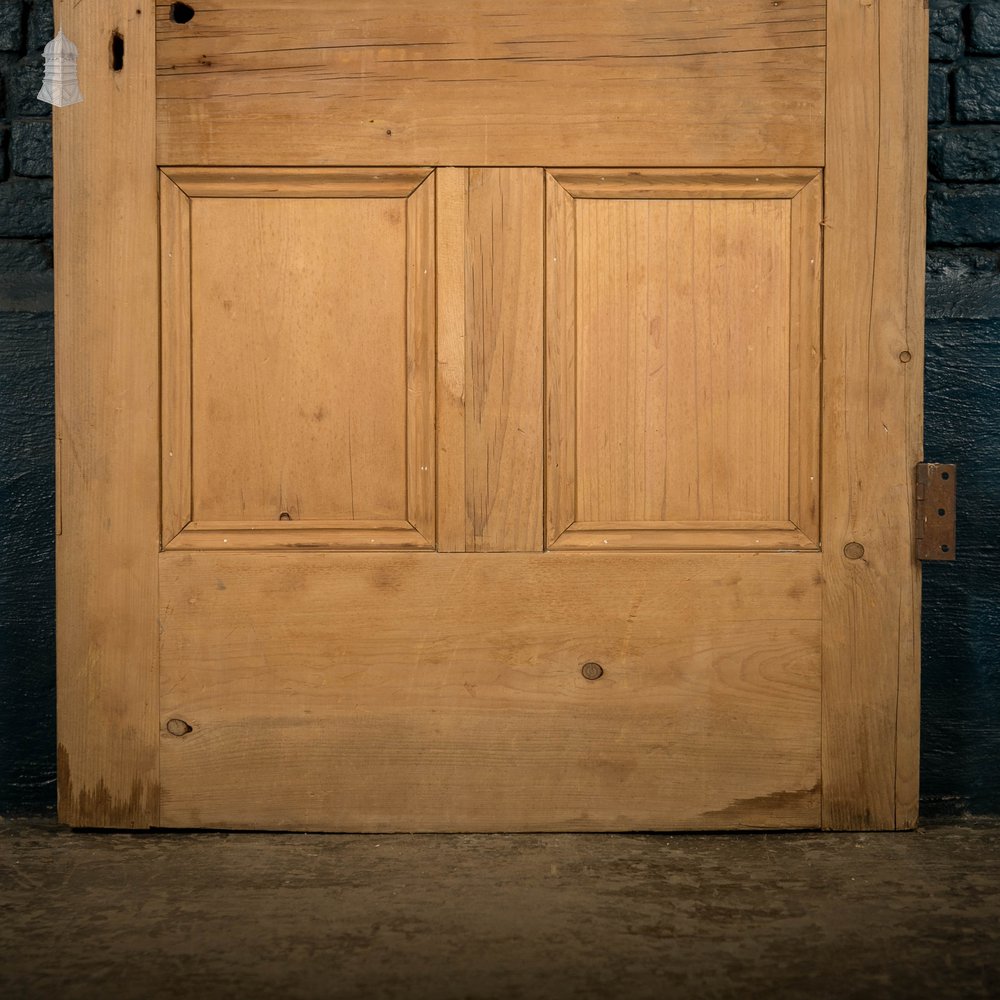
x: 381, y: 691
x: 298, y: 366
x: 684, y: 359
x: 496, y: 83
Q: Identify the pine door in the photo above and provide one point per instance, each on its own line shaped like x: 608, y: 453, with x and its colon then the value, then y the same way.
x: 490, y: 416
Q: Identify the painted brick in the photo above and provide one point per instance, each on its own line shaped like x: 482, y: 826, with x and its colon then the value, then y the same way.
x: 30, y: 292
x: 23, y: 80
x: 40, y: 26
x: 963, y: 283
x: 26, y: 207
x: 27, y: 591
x: 962, y: 397
x: 960, y: 214
x: 985, y: 29
x: 31, y: 147
x: 10, y: 25
x: 25, y: 255
x: 960, y: 154
x: 977, y: 91
x: 938, y: 88
x: 960, y: 736
x: 946, y: 41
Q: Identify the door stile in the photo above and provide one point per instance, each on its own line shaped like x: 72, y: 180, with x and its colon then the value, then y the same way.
x: 873, y: 368
x: 107, y: 420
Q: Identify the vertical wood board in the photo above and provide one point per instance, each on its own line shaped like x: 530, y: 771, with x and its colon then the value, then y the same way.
x: 872, y: 427
x: 107, y: 396
x: 503, y: 339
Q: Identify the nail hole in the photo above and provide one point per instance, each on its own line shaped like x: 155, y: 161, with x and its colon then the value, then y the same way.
x: 940, y: 511
x: 284, y: 516
x: 181, y: 13
x: 592, y: 671
x: 946, y: 475
x: 117, y: 52
x: 945, y: 548
x: 178, y: 727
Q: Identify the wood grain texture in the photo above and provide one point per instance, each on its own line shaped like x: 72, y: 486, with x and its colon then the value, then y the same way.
x: 805, y: 359
x: 685, y: 535
x: 300, y: 182
x: 388, y: 692
x: 676, y: 183
x: 682, y: 363
x: 451, y: 228
x: 107, y: 398
x: 503, y: 382
x: 444, y: 82
x: 683, y: 360
x: 872, y: 423
x: 421, y: 317
x: 175, y: 347
x: 560, y: 360
x: 352, y: 534
x: 298, y: 360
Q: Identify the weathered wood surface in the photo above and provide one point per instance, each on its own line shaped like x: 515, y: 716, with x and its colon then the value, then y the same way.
x: 683, y: 339
x: 444, y: 692
x: 873, y: 368
x: 107, y: 401
x: 731, y: 83
x: 298, y: 358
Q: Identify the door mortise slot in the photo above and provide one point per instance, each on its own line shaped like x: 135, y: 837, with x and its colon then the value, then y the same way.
x: 117, y: 51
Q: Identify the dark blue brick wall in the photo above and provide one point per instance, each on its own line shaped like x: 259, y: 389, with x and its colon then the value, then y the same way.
x: 27, y: 514
x: 961, y: 648
x: 961, y: 636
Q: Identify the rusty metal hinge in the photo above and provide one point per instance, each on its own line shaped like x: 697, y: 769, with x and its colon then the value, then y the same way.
x: 936, y: 511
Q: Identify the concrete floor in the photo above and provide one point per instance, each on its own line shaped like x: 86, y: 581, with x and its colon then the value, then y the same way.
x: 299, y: 916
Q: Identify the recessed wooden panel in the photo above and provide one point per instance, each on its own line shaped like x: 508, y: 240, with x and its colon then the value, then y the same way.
x: 444, y: 692
x: 684, y: 361
x: 298, y: 360
x: 501, y: 83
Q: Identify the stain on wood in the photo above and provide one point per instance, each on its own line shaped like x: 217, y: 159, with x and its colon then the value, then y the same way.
x: 101, y: 805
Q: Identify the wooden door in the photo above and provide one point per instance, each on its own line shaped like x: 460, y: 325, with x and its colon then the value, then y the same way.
x: 490, y: 416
